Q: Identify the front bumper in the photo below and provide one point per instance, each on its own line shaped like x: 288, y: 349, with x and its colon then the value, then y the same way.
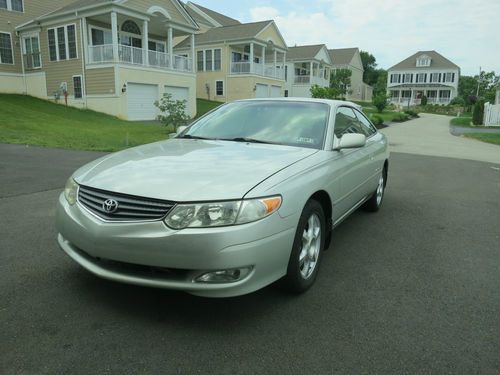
x: 151, y: 254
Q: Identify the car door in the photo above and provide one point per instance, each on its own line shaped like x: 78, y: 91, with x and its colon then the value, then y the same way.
x: 354, y: 171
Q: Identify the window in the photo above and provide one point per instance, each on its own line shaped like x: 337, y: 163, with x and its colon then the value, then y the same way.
x: 32, y: 52
x: 407, y: 77
x: 210, y: 60
x: 131, y: 27
x: 366, y: 125
x: 100, y: 37
x: 77, y: 87
x: 444, y: 94
x: 434, y: 77
x: 395, y: 78
x: 406, y: 94
x: 346, y: 122
x: 421, y: 78
x: 449, y: 77
x: 219, y: 88
x: 62, y: 43
x: 424, y: 60
x: 6, y: 56
x: 16, y: 5
x: 156, y: 46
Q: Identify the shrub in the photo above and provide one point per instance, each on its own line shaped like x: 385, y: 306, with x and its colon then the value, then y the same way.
x: 411, y: 113
x: 323, y: 92
x: 424, y: 100
x: 400, y: 117
x: 380, y: 102
x: 376, y: 120
x: 458, y: 100
x: 478, y: 113
x: 173, y: 112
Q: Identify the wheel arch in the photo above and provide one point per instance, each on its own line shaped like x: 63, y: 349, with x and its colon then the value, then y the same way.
x: 323, y: 198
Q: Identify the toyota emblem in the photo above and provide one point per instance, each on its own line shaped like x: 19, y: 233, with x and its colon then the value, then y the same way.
x: 110, y: 206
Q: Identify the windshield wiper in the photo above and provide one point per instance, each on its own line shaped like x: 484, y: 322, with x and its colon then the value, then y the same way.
x: 189, y: 136
x: 245, y: 139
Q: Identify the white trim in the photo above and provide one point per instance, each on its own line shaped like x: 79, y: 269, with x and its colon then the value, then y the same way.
x: 66, y: 42
x: 19, y: 75
x: 158, y: 9
x: 205, y: 60
x: 81, y: 86
x: 203, y: 14
x: 23, y: 47
x: 9, y: 7
x: 223, y: 88
x: 11, y: 49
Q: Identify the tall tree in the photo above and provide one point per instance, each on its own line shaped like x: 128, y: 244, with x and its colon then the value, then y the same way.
x: 340, y: 80
x: 369, y: 64
x: 482, y: 86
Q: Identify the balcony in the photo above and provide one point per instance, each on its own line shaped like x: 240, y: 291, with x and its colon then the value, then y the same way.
x: 137, y: 56
x: 414, y: 101
x: 246, y: 67
x: 311, y: 80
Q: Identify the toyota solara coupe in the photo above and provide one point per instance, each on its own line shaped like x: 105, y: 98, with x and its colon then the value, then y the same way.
x: 245, y: 196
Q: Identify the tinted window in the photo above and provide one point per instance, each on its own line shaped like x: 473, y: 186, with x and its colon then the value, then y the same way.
x: 300, y: 124
x: 346, y: 122
x: 366, y: 125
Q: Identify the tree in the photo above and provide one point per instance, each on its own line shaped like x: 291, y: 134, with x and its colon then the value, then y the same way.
x: 323, y: 92
x: 472, y: 88
x: 340, y: 80
x: 380, y: 101
x: 380, y: 86
x: 370, y: 74
x: 478, y: 113
x: 173, y: 112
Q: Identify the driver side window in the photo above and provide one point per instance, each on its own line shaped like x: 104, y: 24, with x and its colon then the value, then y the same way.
x: 346, y: 122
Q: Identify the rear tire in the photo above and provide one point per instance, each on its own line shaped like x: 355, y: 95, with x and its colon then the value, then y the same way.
x: 307, y: 249
x: 375, y: 202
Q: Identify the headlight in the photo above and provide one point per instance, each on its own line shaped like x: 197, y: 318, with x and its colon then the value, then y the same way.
x: 70, y: 191
x: 218, y: 214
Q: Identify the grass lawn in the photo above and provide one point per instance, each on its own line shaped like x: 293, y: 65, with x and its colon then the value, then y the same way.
x: 30, y: 121
x: 203, y: 106
x: 485, y: 137
x: 462, y: 122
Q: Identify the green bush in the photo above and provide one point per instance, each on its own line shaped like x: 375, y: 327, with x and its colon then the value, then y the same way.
x: 424, y: 100
x: 458, y: 100
x: 376, y: 119
x: 411, y: 113
x: 173, y: 112
x: 380, y: 102
x: 478, y: 113
x: 400, y: 117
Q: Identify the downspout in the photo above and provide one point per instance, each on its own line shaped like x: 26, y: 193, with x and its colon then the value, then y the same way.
x: 84, y: 82
x: 25, y: 85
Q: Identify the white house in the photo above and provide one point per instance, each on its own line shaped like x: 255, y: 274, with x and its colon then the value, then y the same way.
x: 424, y: 73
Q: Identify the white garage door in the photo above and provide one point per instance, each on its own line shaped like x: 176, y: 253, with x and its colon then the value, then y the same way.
x: 179, y: 93
x: 140, y: 100
x: 261, y: 91
x: 275, y: 91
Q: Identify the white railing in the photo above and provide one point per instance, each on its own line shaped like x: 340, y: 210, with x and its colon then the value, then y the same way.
x: 246, y: 67
x: 302, y: 80
x: 137, y: 56
x: 313, y: 80
x: 414, y: 101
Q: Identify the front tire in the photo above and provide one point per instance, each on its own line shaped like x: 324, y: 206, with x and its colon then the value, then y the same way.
x: 375, y: 202
x: 307, y: 249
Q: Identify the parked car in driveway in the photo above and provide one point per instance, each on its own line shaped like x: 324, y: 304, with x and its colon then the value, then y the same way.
x: 246, y: 195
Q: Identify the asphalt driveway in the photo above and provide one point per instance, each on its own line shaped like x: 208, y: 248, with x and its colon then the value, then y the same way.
x: 412, y: 289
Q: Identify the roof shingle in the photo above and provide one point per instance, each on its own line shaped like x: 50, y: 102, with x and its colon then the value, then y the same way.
x: 437, y: 61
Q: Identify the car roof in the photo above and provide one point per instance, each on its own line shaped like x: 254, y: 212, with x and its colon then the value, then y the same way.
x: 330, y: 102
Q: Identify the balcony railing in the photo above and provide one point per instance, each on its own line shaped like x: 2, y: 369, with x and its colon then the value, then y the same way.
x: 246, y: 67
x: 313, y: 80
x: 32, y: 60
x: 415, y: 101
x: 137, y: 56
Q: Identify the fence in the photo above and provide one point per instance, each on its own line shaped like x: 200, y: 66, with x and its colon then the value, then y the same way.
x: 491, y: 114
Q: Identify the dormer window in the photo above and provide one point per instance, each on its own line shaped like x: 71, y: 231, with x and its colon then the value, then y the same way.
x: 423, y: 60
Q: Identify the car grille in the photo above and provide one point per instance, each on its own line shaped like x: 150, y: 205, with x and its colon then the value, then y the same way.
x: 129, y: 207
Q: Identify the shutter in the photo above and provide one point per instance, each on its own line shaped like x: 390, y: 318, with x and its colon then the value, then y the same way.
x: 453, y: 77
x: 425, y: 77
x: 399, y: 78
x: 411, y: 78
x: 430, y: 78
x: 439, y: 77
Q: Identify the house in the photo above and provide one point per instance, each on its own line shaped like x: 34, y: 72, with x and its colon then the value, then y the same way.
x: 425, y: 73
x: 350, y: 58
x: 239, y: 61
x: 306, y: 66
x: 111, y: 56
x: 207, y: 18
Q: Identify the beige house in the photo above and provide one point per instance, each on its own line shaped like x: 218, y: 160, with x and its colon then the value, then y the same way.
x: 112, y: 56
x: 423, y: 73
x: 350, y: 58
x: 239, y: 61
x: 306, y: 66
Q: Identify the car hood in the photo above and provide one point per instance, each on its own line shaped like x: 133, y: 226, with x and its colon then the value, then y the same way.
x: 184, y: 170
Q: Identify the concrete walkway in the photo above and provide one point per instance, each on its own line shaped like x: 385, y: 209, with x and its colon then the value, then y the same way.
x: 430, y: 135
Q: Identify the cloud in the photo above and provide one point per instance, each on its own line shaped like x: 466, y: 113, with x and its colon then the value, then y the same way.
x: 468, y: 33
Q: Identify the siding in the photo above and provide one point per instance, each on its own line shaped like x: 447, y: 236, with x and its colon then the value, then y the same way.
x: 60, y: 71
x: 144, y: 5
x: 100, y: 81
x: 10, y: 19
x: 271, y: 33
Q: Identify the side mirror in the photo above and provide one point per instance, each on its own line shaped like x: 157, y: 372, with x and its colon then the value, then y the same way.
x: 351, y: 141
x: 180, y: 129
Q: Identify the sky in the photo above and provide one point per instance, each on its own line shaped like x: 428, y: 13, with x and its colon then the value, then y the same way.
x: 464, y: 31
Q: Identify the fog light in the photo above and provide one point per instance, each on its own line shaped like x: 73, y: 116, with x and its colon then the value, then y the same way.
x: 224, y: 276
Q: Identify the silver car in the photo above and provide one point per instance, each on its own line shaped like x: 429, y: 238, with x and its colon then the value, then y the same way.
x: 245, y: 196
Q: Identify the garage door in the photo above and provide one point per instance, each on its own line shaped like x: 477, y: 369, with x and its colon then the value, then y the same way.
x: 261, y: 91
x: 275, y: 91
x: 140, y: 100
x: 179, y: 93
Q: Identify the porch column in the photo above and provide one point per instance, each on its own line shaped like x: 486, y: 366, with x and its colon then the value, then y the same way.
x: 275, y: 61
x: 251, y: 57
x: 263, y: 55
x: 193, y: 52
x: 437, y: 95
x: 145, y: 43
x: 170, y: 48
x: 114, y: 35
x: 311, y: 71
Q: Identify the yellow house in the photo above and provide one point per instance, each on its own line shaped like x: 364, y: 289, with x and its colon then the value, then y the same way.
x: 111, y: 56
x: 237, y: 61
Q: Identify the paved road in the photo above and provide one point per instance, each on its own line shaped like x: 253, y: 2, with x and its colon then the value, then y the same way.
x: 412, y: 289
x: 430, y: 135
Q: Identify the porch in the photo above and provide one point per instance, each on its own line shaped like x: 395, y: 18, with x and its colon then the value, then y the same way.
x: 311, y: 73
x: 265, y: 62
x: 113, y: 37
x: 414, y: 97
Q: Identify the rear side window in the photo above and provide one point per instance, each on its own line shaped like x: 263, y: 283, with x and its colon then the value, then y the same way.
x: 366, y: 125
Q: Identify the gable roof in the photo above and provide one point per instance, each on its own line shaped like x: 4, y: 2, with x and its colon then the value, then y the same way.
x: 303, y: 52
x: 437, y: 61
x: 342, y: 56
x: 222, y: 19
x: 226, y: 33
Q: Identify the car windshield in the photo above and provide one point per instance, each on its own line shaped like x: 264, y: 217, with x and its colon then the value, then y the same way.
x: 292, y: 123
